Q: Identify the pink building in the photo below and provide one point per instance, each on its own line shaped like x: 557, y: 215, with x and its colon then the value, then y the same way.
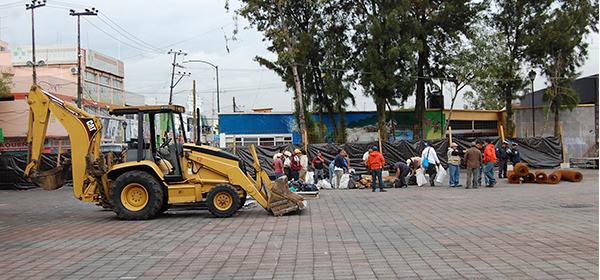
x: 102, y: 82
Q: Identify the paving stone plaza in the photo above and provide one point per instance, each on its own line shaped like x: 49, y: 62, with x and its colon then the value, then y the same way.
x: 528, y: 231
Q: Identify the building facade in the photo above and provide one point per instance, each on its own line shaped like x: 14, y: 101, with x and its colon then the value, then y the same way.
x: 57, y: 72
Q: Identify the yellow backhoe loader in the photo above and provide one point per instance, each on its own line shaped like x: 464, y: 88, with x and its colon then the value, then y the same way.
x: 151, y: 176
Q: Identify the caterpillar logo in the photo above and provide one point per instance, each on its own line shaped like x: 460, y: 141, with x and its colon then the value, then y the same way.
x: 90, y: 127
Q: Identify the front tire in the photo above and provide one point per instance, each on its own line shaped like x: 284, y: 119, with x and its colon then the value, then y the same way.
x: 223, y: 200
x: 136, y: 195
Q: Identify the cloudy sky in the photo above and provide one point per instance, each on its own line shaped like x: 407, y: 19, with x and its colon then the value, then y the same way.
x: 140, y: 33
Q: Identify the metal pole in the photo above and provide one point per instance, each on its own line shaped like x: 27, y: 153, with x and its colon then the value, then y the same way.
x: 79, y: 91
x: 195, y: 126
x: 172, y: 77
x: 88, y: 12
x: 218, y: 93
x: 34, y: 4
x: 533, y: 108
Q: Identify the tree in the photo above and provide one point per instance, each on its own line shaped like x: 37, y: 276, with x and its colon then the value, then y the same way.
x: 6, y: 83
x: 436, y: 24
x: 558, y: 47
x: 317, y: 33
x: 384, y: 56
x: 515, y: 19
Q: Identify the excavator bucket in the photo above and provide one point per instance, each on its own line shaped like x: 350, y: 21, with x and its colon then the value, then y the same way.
x: 51, y: 179
x: 283, y: 200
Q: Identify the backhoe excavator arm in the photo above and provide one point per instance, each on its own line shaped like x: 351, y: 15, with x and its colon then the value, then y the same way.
x: 84, y: 133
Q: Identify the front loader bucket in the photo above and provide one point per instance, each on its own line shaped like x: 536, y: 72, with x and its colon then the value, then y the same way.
x: 283, y: 200
x: 51, y: 179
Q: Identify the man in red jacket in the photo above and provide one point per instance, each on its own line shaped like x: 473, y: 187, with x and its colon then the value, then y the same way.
x: 376, y: 162
x: 489, y: 161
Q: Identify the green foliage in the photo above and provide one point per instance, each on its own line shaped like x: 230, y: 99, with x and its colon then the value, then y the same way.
x: 558, y: 48
x: 318, y: 32
x: 6, y: 83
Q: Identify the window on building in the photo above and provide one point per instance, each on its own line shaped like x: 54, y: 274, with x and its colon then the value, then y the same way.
x: 104, y: 80
x: 117, y: 84
x: 105, y: 94
x: 91, y: 91
x: 117, y: 97
x: 89, y: 76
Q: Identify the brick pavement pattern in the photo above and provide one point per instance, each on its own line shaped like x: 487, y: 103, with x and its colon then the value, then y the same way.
x: 507, y: 232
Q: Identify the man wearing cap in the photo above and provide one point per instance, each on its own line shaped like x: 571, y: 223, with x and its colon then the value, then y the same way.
x: 502, y: 156
x: 287, y: 165
x: 515, y: 156
x: 317, y: 164
x: 295, y: 166
x: 278, y: 165
x: 376, y: 162
x: 473, y: 161
x: 430, y: 154
x: 454, y: 156
x: 489, y: 160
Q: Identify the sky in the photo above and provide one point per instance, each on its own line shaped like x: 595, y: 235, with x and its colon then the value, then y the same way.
x: 141, y: 33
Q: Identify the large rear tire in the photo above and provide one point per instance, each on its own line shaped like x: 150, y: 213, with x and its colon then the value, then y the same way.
x: 136, y: 195
x: 223, y: 200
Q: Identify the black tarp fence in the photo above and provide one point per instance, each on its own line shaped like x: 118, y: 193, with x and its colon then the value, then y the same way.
x: 536, y: 152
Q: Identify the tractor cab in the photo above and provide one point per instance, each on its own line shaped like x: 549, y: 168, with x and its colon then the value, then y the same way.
x: 157, y: 137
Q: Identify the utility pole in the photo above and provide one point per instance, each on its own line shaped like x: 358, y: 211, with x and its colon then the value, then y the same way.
x: 175, y: 54
x: 234, y: 104
x: 88, y: 12
x: 194, y: 108
x: 34, y: 4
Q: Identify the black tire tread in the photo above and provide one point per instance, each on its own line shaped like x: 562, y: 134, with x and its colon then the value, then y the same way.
x: 155, y: 193
x: 214, y: 191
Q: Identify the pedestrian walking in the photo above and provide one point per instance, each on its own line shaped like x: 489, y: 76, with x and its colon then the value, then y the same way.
x: 303, y: 165
x: 481, y: 175
x: 340, y: 166
x: 402, y: 170
x: 287, y: 164
x: 430, y: 154
x: 376, y: 162
x: 474, y: 161
x: 365, y: 158
x: 454, y: 156
x: 278, y: 165
x: 502, y: 157
x: 295, y: 166
x: 489, y: 160
x: 318, y: 163
x: 513, y: 153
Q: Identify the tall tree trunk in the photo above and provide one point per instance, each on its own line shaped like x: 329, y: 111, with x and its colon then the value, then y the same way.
x: 333, y: 123
x: 393, y: 121
x: 381, y: 124
x: 420, y: 109
x: 556, y: 121
x: 299, y: 96
x: 321, y: 125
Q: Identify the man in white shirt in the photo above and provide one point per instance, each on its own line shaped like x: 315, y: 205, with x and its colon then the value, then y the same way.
x: 366, y: 158
x: 430, y: 154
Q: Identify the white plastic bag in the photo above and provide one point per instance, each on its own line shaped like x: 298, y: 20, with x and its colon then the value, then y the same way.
x: 310, y: 177
x: 441, y: 175
x: 323, y: 184
x: 343, y: 181
x: 421, y: 180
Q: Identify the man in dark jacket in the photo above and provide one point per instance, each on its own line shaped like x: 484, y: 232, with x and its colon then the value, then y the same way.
x: 502, y: 156
x: 515, y: 156
x: 401, y: 172
x: 474, y: 161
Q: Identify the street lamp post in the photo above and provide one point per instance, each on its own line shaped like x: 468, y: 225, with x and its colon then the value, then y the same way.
x: 217, y: 75
x: 34, y: 4
x: 532, y: 75
x: 88, y: 12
